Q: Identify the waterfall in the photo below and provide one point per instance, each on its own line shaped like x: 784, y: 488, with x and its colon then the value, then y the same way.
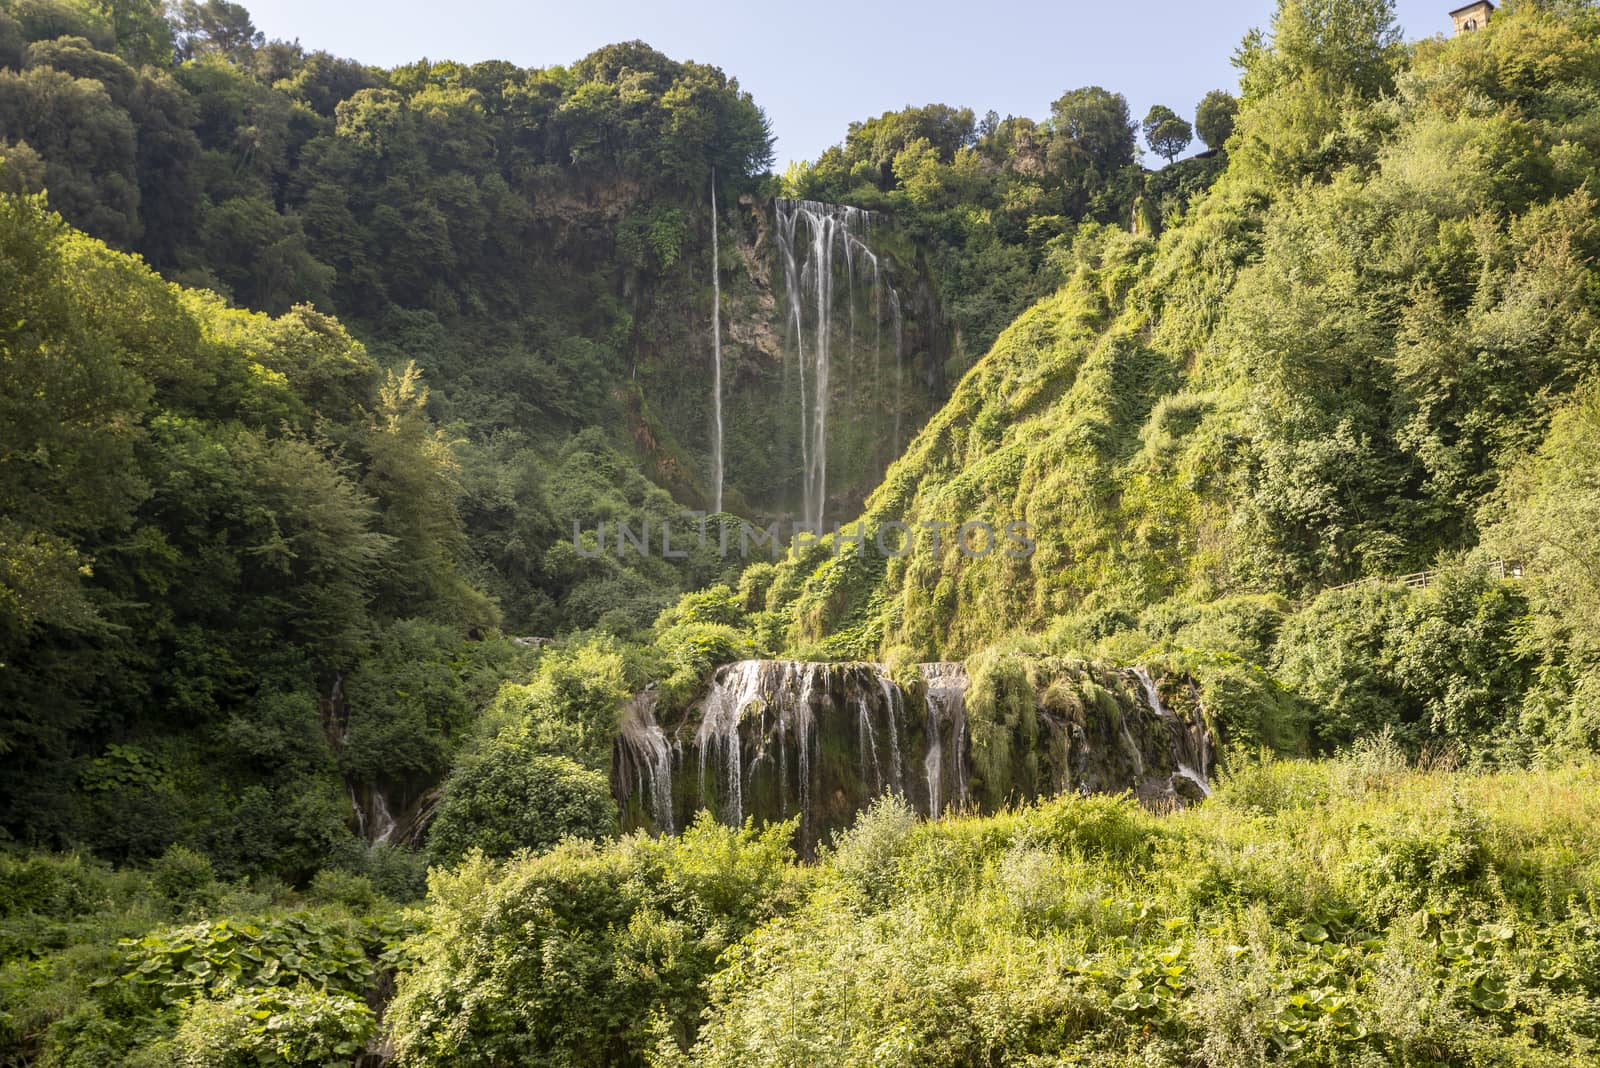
x: 361, y: 813
x: 892, y: 700
x: 652, y: 757
x: 868, y: 743
x: 1132, y: 746
x: 784, y: 688
x: 777, y: 739
x: 805, y: 729
x: 899, y: 363
x: 716, y: 354
x: 1191, y: 744
x: 383, y: 822
x: 811, y: 265
x: 733, y: 688
x: 946, y: 703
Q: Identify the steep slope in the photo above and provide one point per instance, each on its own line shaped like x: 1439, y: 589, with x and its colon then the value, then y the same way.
x: 208, y: 518
x: 537, y: 241
x: 1318, y: 375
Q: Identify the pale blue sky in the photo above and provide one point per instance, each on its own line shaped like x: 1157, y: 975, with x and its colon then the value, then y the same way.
x: 817, y: 67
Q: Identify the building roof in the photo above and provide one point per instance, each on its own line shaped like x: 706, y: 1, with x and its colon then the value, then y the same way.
x: 1475, y: 3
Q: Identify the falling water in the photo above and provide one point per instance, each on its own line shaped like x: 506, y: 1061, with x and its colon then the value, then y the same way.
x: 716, y: 354
x: 732, y: 690
x: 1132, y: 746
x: 783, y: 738
x: 383, y: 822
x: 946, y: 703
x: 899, y: 363
x: 1191, y: 745
x: 361, y: 813
x: 783, y: 689
x: 652, y: 756
x: 810, y: 268
x: 892, y: 698
x: 805, y: 731
x: 869, y: 742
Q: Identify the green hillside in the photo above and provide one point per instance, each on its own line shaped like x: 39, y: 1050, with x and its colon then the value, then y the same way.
x: 1208, y: 674
x: 1365, y: 352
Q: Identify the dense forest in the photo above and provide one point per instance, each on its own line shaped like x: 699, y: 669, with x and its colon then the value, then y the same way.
x: 340, y: 724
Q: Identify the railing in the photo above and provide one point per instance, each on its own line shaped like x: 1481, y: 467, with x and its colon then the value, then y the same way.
x: 1421, y: 580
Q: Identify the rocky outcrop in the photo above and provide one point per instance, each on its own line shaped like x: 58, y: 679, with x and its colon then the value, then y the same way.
x: 772, y: 739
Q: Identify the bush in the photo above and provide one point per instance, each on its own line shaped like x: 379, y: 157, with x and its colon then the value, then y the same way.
x: 513, y: 796
x: 567, y: 958
x: 257, y: 1027
x: 1094, y: 827
x: 570, y: 705
x: 866, y: 855
x: 184, y: 878
x: 1336, y: 654
x: 333, y: 887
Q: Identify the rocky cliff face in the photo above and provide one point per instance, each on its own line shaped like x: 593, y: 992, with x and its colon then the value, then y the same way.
x: 832, y: 352
x: 778, y: 738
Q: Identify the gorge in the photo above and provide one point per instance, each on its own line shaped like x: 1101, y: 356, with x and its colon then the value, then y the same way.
x: 396, y: 670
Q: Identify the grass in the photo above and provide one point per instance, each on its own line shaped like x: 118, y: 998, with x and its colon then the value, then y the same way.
x: 1338, y: 912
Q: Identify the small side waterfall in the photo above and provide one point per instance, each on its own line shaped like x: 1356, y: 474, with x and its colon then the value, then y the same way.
x: 360, y: 813
x: 651, y: 755
x: 1191, y: 743
x: 868, y: 739
x: 899, y: 364
x: 895, y: 701
x: 947, y: 710
x: 716, y: 354
x: 383, y: 822
x: 811, y: 268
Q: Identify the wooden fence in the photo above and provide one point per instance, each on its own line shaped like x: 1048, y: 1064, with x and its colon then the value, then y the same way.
x: 1421, y: 580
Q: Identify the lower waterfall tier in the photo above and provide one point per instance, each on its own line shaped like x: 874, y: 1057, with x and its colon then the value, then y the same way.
x: 774, y: 739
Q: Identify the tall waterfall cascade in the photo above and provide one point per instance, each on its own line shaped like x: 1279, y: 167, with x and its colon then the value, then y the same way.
x: 716, y: 355
x: 822, y: 246
x: 818, y: 742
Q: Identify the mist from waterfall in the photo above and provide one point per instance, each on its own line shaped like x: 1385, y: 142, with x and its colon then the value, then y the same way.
x: 821, y: 245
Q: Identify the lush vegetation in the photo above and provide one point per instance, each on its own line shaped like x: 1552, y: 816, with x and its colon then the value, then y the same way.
x: 1342, y: 913
x: 995, y: 204
x: 526, y: 236
x: 1367, y: 350
x: 1311, y: 913
x: 307, y: 367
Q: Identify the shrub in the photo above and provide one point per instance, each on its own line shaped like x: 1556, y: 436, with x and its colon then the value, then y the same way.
x: 865, y: 856
x: 513, y: 796
x: 570, y: 705
x: 334, y: 887
x: 274, y: 1026
x: 184, y: 877
x: 1096, y: 826
x: 567, y: 957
